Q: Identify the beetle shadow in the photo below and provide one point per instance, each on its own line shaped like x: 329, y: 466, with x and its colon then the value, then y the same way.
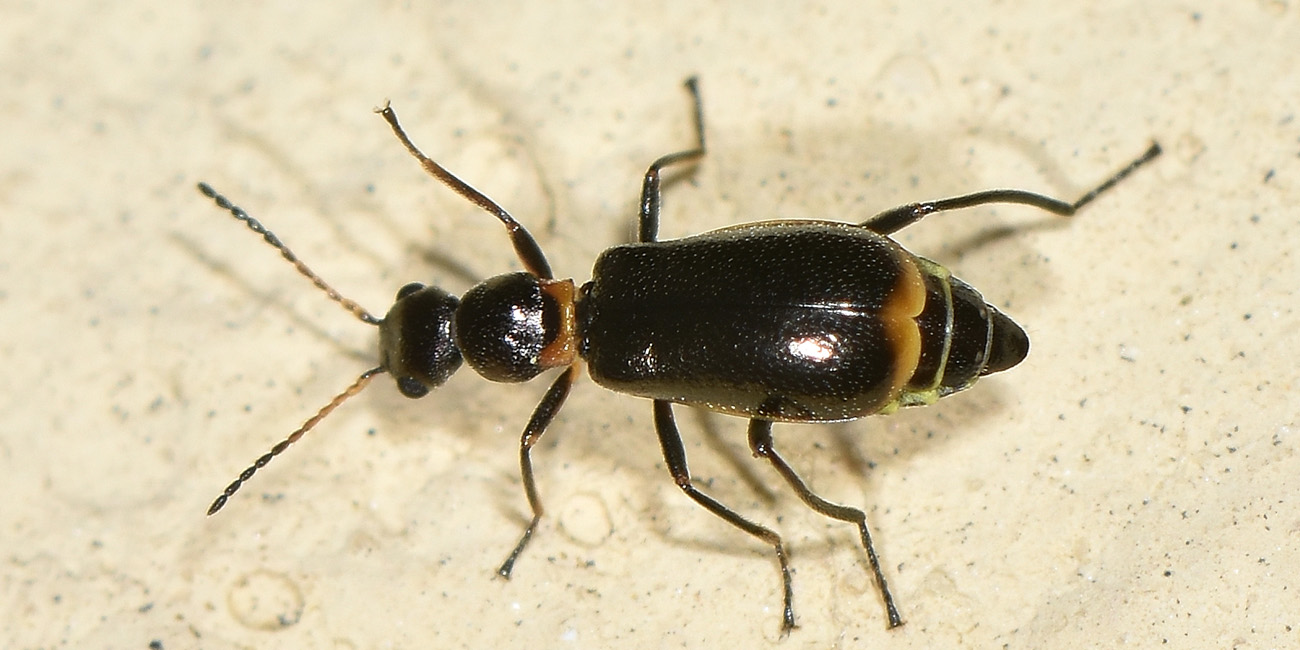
x: 859, y: 456
x: 742, y: 466
x: 849, y: 172
x: 390, y: 155
x: 435, y: 255
x: 992, y: 235
x: 838, y: 461
x: 310, y: 191
x: 865, y: 448
x: 389, y: 411
x: 447, y: 265
x: 268, y: 299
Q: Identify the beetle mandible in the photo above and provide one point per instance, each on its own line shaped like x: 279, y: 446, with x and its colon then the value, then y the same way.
x: 774, y: 321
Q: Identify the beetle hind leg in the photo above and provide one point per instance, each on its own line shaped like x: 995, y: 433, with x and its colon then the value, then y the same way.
x: 670, y: 440
x: 895, y: 219
x: 760, y: 442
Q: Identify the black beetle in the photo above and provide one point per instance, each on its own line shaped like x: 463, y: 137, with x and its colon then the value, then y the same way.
x: 775, y: 321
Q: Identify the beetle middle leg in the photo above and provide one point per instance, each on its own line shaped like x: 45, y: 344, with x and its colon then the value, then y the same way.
x: 760, y: 442
x: 542, y: 416
x: 895, y: 219
x: 670, y: 440
x: 650, y: 194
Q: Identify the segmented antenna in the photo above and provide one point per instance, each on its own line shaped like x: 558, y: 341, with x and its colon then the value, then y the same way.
x: 352, y: 307
x: 1147, y: 156
x: 247, y: 474
x: 257, y: 227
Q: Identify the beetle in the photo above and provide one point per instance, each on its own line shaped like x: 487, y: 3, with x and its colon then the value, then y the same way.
x: 774, y: 321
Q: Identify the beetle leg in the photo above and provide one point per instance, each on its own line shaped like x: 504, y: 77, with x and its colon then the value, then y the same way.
x: 526, y: 248
x: 650, y: 195
x: 670, y: 440
x: 542, y: 416
x: 760, y: 442
x: 896, y: 219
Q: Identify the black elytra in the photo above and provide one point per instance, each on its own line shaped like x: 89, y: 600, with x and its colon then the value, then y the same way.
x: 775, y: 321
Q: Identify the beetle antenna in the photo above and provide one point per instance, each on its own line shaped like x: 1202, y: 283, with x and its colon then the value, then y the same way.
x: 257, y: 227
x: 279, y: 448
x: 1146, y: 157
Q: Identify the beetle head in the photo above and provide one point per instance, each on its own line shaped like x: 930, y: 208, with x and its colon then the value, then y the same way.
x: 415, y: 339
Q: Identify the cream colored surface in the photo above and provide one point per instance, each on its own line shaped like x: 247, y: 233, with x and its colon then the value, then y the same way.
x: 1134, y: 483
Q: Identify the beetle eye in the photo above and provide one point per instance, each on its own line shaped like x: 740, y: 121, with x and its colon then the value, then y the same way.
x: 408, y: 289
x: 411, y: 387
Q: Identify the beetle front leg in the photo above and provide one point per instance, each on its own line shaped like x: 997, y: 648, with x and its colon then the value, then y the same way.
x: 526, y: 248
x: 542, y: 416
x: 650, y: 194
x: 670, y: 440
x: 760, y: 442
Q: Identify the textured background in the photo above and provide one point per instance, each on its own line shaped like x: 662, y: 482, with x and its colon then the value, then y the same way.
x: 1133, y: 483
